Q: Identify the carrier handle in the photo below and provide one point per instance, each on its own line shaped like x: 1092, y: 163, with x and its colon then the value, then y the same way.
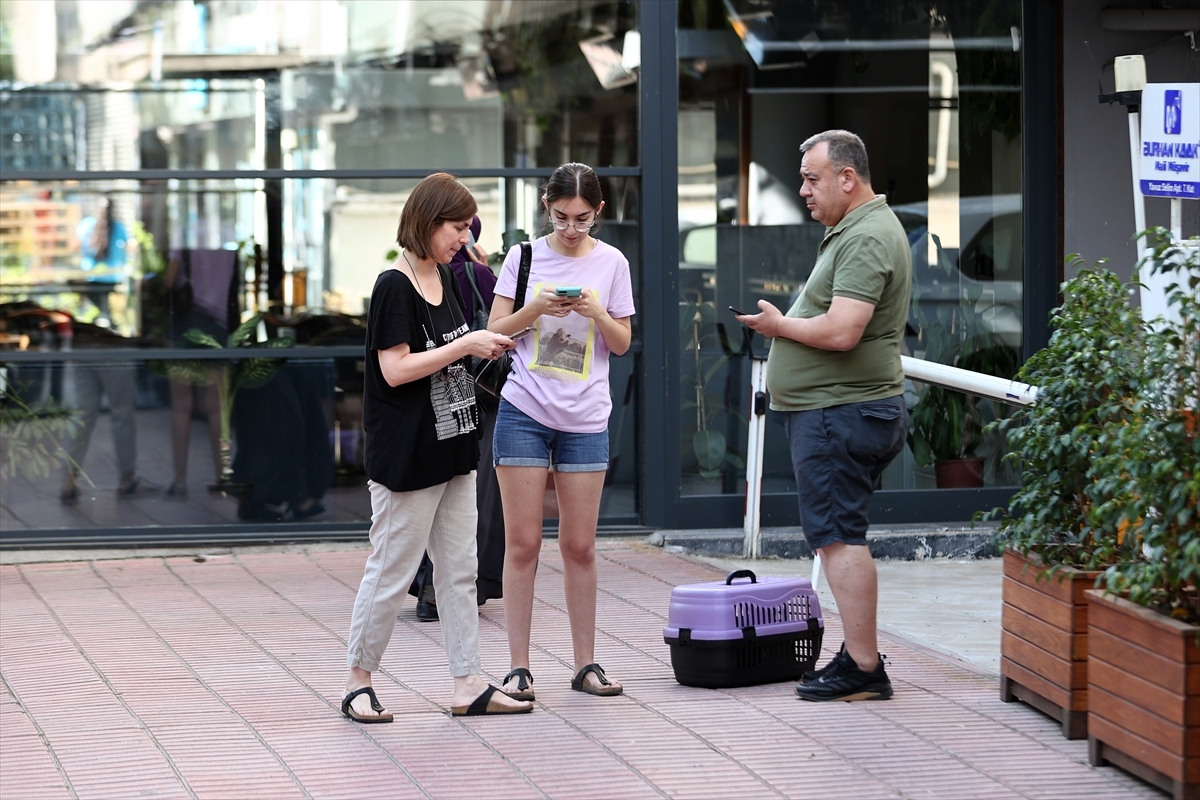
x: 741, y: 573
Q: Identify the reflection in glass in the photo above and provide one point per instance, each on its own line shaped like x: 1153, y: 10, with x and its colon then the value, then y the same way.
x: 935, y: 94
x: 364, y: 85
x: 147, y: 265
x: 148, y: 262
x: 294, y: 430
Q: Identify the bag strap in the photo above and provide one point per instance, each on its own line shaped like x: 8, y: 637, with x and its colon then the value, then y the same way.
x: 470, y: 269
x: 523, y: 275
x: 450, y: 287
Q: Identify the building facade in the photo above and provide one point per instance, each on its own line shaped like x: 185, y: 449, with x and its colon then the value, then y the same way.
x: 196, y: 197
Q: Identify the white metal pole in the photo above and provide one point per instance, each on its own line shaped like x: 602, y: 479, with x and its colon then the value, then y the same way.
x: 1135, y: 163
x: 1177, y: 219
x: 1007, y: 391
x: 754, y: 457
x: 1012, y: 392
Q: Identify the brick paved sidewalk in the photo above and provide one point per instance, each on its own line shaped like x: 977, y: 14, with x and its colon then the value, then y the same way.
x: 170, y: 677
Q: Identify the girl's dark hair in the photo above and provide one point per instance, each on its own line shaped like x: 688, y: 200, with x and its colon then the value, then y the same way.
x: 438, y: 198
x: 573, y: 180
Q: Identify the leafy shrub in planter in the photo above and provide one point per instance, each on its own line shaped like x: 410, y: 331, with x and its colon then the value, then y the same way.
x: 1146, y: 475
x: 1084, y: 376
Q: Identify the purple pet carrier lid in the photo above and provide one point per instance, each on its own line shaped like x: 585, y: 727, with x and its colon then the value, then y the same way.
x: 722, y: 610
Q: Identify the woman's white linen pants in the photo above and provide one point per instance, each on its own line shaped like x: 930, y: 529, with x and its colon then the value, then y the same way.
x: 442, y: 520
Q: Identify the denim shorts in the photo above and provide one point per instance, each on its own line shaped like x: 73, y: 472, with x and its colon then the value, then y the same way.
x: 522, y: 441
x: 838, y: 455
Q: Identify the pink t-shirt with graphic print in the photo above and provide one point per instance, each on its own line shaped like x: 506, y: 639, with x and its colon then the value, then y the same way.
x: 560, y: 371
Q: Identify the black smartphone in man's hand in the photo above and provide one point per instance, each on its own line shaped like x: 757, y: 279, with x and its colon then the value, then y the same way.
x: 738, y: 312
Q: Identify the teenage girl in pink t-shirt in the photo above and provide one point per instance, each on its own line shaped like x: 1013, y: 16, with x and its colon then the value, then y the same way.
x: 554, y: 413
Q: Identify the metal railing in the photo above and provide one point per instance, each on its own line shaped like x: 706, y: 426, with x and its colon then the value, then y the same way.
x: 964, y: 380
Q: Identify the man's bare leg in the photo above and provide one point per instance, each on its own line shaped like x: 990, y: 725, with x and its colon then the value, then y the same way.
x: 850, y: 571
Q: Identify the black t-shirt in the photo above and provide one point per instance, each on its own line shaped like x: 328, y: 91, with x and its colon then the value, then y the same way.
x: 422, y: 433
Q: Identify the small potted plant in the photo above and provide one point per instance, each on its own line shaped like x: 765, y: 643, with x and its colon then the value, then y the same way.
x: 946, y: 426
x: 1144, y: 627
x: 1053, y: 549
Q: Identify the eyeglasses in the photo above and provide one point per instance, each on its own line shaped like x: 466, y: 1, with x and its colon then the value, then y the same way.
x: 581, y: 227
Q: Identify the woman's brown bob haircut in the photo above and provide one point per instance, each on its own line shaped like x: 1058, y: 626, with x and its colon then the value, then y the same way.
x: 438, y: 198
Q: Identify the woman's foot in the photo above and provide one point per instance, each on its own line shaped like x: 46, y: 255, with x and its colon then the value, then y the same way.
x: 361, y: 705
x: 467, y: 689
x: 592, y: 680
x: 518, y: 684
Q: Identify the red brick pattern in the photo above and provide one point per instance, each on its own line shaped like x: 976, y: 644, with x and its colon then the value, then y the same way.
x: 172, y: 677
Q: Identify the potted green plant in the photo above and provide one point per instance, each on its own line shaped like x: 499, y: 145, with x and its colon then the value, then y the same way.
x: 1053, y: 549
x: 35, y: 440
x: 946, y: 426
x: 230, y: 376
x: 1144, y: 627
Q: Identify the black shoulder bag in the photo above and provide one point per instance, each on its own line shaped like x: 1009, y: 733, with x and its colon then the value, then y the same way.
x: 490, y: 374
x: 479, y: 320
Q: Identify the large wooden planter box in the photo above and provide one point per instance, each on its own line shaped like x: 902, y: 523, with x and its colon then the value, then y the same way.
x: 1144, y: 690
x: 1043, y: 641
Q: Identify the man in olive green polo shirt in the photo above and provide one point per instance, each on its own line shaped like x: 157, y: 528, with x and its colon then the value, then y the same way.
x: 834, y: 369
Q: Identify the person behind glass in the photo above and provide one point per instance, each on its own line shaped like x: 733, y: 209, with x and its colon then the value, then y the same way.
x: 419, y: 417
x: 554, y: 413
x: 489, y: 535
x: 834, y: 370
x: 102, y: 250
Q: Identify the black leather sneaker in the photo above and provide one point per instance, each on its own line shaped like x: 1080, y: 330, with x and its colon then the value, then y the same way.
x: 426, y: 611
x: 814, y: 674
x: 843, y: 680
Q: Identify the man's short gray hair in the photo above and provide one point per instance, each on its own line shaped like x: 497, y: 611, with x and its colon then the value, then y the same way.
x: 845, y: 150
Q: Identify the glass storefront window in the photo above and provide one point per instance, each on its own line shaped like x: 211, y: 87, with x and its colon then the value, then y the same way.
x: 935, y: 95
x: 173, y: 169
x: 133, y: 442
x: 362, y: 85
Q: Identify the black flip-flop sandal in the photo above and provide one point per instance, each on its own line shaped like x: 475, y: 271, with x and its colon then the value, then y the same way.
x: 524, y: 684
x: 606, y: 687
x: 350, y: 713
x: 483, y: 705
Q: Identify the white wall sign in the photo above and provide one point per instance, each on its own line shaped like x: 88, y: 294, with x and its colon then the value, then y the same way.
x: 1171, y: 140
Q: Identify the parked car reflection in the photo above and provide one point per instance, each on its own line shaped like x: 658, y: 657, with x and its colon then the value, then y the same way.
x: 985, y: 273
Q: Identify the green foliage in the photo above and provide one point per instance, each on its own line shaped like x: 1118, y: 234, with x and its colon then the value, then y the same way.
x: 710, y: 362
x: 1146, y: 471
x: 230, y: 375
x: 150, y: 260
x: 946, y: 424
x: 1088, y: 369
x: 240, y: 372
x: 34, y: 439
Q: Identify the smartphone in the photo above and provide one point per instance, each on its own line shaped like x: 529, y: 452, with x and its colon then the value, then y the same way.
x: 521, y: 334
x: 568, y: 291
x: 471, y: 239
x: 738, y: 312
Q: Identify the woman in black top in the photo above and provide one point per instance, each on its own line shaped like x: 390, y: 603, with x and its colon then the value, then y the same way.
x: 419, y: 416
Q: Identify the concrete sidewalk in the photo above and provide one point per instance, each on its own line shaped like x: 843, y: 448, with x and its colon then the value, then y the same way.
x: 221, y: 676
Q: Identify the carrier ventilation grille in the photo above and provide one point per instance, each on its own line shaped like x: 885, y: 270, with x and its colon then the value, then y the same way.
x: 795, y: 609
